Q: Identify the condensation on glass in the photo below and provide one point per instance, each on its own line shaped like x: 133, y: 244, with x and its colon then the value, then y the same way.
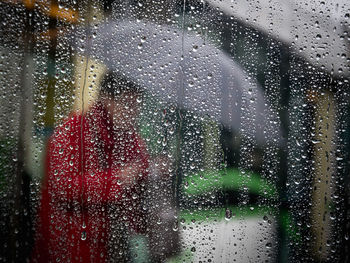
x: 174, y: 131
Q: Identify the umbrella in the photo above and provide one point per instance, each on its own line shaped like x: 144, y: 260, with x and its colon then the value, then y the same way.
x: 182, y: 68
x: 317, y: 31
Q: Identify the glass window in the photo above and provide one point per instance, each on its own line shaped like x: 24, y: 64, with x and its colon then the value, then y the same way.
x: 174, y: 131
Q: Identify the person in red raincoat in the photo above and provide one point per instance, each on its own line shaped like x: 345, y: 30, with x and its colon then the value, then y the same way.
x: 96, y: 167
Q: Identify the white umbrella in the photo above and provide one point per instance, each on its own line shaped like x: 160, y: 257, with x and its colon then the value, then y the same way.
x: 318, y: 30
x: 184, y: 69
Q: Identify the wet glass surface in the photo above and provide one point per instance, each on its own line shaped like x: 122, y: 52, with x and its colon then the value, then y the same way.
x: 174, y: 131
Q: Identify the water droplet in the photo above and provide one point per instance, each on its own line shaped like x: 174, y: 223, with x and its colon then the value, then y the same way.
x: 176, y: 226
x: 228, y: 214
x: 83, y: 235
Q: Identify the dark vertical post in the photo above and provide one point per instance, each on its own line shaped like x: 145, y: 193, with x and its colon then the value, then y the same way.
x: 20, y: 234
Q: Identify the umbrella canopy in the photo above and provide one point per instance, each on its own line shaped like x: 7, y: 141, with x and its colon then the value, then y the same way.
x: 317, y: 31
x: 182, y: 68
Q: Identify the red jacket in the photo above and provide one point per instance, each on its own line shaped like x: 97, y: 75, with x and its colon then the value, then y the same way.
x: 84, y: 157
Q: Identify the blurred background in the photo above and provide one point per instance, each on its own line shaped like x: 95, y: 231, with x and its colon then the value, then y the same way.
x: 261, y: 162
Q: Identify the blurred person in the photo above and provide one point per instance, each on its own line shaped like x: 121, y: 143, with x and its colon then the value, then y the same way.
x: 96, y: 168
